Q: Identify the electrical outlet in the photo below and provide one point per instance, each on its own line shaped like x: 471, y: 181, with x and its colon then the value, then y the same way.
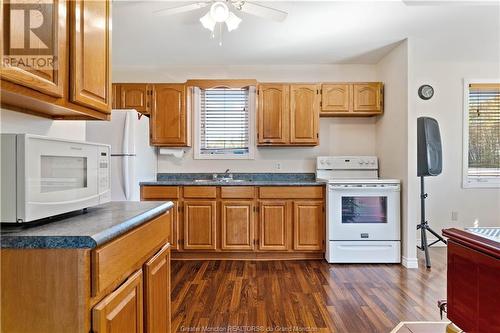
x: 454, y: 216
x: 277, y: 166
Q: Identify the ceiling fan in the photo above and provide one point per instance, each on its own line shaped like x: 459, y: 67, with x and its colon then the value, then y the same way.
x: 223, y: 11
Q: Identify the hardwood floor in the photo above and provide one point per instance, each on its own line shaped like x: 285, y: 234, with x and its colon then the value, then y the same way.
x: 308, y: 296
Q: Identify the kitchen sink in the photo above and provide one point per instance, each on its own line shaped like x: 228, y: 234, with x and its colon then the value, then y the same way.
x: 219, y: 180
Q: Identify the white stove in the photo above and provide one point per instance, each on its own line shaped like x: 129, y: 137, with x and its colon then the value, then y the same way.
x: 363, y: 211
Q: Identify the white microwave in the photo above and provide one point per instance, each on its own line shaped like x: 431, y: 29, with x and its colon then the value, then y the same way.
x: 43, y: 177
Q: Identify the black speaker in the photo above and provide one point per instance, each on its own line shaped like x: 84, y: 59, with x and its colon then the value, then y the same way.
x: 429, y: 155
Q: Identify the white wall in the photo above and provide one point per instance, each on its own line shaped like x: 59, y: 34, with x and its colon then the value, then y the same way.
x: 16, y: 122
x: 445, y: 191
x: 337, y: 135
x: 392, y: 137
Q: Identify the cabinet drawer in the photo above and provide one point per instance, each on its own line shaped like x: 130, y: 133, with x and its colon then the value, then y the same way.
x: 200, y: 192
x: 117, y: 259
x: 159, y: 192
x: 291, y: 192
x: 237, y: 192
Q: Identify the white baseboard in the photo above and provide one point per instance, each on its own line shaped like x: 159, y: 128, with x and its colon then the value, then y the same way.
x: 430, y: 240
x: 410, y: 262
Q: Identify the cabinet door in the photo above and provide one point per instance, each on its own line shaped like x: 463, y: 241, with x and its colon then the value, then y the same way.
x: 122, y: 310
x: 90, y: 57
x: 48, y: 44
x: 174, y: 226
x: 335, y: 98
x: 308, y: 225
x: 136, y: 96
x: 199, y: 225
x: 304, y: 114
x: 273, y: 226
x: 367, y: 97
x: 237, y: 225
x: 157, y: 310
x: 273, y: 114
x: 169, y: 120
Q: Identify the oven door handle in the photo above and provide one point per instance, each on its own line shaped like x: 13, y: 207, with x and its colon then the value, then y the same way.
x: 390, y: 188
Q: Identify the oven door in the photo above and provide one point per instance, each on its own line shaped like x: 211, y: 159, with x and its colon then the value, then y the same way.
x: 58, y: 177
x: 364, y: 212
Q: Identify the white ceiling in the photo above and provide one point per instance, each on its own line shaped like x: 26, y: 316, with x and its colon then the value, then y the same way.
x: 314, y: 33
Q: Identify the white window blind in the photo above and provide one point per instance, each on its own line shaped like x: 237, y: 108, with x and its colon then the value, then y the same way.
x: 483, y: 122
x: 224, y: 121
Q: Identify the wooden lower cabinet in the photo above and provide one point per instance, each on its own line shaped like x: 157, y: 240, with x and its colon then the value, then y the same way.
x: 122, y: 310
x: 157, y: 292
x: 308, y: 225
x: 244, y: 222
x: 199, y: 225
x: 237, y: 225
x: 273, y: 226
x: 120, y: 286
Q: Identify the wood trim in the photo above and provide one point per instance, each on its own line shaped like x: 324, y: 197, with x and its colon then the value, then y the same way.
x: 157, y: 304
x: 296, y: 227
x: 159, y: 192
x: 274, y: 255
x: 237, y: 192
x: 78, y: 92
x: 212, y: 245
x: 473, y: 241
x: 291, y: 192
x: 207, y: 84
x: 58, y: 85
x: 109, y: 307
x: 314, y: 116
x: 200, y: 192
x: 114, y: 261
x: 249, y: 246
x: 45, y: 290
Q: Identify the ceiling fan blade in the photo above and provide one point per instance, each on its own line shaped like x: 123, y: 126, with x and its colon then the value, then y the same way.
x: 263, y: 11
x: 181, y: 9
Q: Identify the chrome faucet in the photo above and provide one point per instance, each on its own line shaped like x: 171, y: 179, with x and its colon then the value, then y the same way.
x: 226, y: 173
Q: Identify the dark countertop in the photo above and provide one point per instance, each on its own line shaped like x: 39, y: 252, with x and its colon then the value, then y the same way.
x: 99, y: 225
x: 242, y: 179
x: 237, y: 183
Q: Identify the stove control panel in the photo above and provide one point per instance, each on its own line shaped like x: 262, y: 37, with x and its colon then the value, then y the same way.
x: 347, y: 163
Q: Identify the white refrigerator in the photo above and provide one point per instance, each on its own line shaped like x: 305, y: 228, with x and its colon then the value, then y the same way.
x: 133, y: 160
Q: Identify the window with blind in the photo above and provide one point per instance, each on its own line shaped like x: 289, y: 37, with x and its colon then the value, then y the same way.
x: 224, y: 123
x: 482, y: 134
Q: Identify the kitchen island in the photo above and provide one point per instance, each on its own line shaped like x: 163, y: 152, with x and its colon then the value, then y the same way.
x: 103, y: 271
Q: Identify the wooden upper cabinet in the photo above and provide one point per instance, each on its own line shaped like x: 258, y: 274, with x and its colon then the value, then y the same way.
x: 90, y: 56
x: 335, y: 98
x: 48, y: 42
x: 169, y: 122
x: 122, y: 310
x: 367, y: 97
x: 273, y: 226
x: 304, y: 114
x: 200, y: 225
x: 135, y: 96
x: 273, y: 114
x: 308, y: 226
x: 157, y: 311
x: 237, y: 225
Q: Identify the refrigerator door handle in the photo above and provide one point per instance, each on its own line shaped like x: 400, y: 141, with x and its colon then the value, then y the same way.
x: 126, y: 133
x: 125, y: 173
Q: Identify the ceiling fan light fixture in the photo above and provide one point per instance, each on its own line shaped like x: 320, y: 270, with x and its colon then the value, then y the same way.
x: 232, y: 22
x: 219, y: 12
x: 208, y: 22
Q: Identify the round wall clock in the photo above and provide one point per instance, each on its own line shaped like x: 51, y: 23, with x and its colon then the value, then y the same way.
x: 425, y: 92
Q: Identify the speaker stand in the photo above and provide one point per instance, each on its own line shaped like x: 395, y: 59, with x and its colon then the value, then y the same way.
x: 424, y: 227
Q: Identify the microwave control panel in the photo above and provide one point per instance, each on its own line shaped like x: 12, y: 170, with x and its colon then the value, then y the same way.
x: 104, y: 167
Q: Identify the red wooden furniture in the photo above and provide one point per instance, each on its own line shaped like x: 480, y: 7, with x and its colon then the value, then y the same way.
x: 473, y: 281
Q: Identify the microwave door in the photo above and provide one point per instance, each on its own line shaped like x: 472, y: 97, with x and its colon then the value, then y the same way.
x: 124, y: 186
